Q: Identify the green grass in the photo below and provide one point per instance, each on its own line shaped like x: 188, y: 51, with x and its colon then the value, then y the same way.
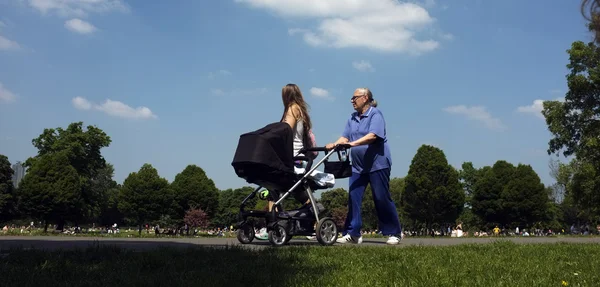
x: 494, y: 264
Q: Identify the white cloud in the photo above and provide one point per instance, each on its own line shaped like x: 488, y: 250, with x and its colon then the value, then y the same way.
x: 320, y: 93
x: 7, y: 44
x: 536, y: 108
x: 6, y: 96
x: 78, y: 8
x: 80, y: 26
x: 115, y: 108
x: 379, y: 25
x: 477, y: 113
x: 363, y: 66
x: 81, y: 103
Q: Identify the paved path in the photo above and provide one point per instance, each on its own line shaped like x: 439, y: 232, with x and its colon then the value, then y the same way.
x: 65, y: 242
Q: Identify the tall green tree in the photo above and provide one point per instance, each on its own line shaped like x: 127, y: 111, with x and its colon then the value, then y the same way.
x: 6, y: 187
x: 145, y: 196
x: 575, y: 123
x: 433, y: 193
x: 51, y: 190
x: 83, y: 150
x: 584, y: 191
x: 509, y: 196
x: 468, y: 175
x: 525, y: 200
x: 108, y: 190
x: 193, y: 189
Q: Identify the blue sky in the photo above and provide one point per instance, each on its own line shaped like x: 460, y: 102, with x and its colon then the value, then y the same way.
x: 176, y: 82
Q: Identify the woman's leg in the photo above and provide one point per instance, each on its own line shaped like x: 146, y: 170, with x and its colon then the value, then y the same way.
x: 358, y: 184
x: 389, y: 223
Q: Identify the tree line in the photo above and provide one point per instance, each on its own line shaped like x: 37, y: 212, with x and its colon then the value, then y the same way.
x: 69, y: 181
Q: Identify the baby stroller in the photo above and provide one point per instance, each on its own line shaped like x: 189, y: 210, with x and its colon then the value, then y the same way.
x: 264, y: 157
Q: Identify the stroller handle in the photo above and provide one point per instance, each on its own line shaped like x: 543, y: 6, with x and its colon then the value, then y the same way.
x: 338, y: 147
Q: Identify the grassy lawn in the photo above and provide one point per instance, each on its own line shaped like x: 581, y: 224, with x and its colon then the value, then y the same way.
x: 496, y: 264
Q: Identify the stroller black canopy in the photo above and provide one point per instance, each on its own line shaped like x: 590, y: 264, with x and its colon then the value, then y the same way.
x: 265, y: 157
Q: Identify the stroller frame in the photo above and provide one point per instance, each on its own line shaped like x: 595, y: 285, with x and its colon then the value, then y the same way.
x: 282, y: 227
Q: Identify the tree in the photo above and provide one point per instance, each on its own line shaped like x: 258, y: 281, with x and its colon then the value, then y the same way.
x: 509, y: 196
x: 338, y: 215
x: 486, y: 198
x: 229, y: 205
x: 525, y: 200
x: 145, y: 196
x: 107, y: 190
x: 575, y: 123
x: 193, y: 189
x: 196, y: 218
x: 6, y: 187
x: 334, y: 199
x: 83, y: 150
x: 584, y: 191
x: 433, y: 193
x: 468, y: 175
x: 51, y: 190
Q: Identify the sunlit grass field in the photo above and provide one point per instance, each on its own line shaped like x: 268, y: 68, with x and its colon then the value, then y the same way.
x: 494, y: 264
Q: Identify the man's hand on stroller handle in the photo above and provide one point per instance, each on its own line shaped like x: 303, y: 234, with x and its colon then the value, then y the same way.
x: 338, y: 147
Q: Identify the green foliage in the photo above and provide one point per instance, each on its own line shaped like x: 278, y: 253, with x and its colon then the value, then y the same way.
x: 334, y: 199
x: 468, y: 175
x: 509, y: 196
x: 193, y: 189
x: 51, y: 190
x: 433, y: 193
x: 575, y: 123
x: 6, y: 187
x: 107, y: 190
x: 229, y: 205
x: 83, y: 150
x: 145, y: 196
x: 583, y: 188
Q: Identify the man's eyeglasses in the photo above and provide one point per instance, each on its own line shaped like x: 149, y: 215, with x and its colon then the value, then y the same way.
x: 355, y: 97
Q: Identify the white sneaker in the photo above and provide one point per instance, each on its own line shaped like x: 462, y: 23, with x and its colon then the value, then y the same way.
x: 349, y: 239
x: 393, y: 240
x: 311, y: 237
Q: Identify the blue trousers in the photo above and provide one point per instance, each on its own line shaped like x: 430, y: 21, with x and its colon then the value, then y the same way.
x: 389, y: 223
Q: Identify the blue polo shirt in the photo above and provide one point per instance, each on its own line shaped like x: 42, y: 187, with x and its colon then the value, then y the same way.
x: 372, y: 157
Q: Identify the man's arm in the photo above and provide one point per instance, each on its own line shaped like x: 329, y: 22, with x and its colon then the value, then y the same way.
x: 367, y: 139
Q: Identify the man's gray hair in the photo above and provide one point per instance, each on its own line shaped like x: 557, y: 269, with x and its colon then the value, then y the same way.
x: 366, y: 91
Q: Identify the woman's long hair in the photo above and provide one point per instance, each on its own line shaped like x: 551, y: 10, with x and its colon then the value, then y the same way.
x: 291, y: 94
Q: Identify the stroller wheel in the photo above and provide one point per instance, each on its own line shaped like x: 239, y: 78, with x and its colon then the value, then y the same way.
x: 245, y: 233
x: 326, y: 231
x: 278, y: 236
